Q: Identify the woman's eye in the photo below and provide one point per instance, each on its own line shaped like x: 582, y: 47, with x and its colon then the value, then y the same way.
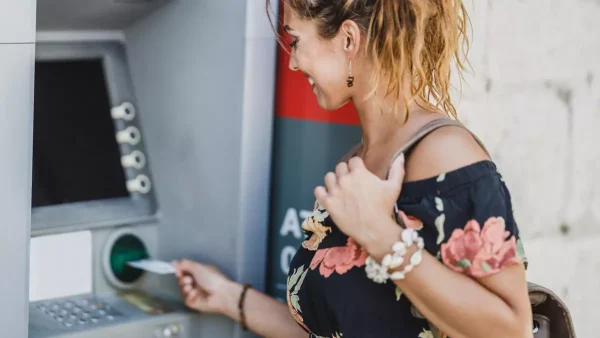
x: 294, y: 43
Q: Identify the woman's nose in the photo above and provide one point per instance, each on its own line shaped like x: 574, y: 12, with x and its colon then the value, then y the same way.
x: 293, y: 64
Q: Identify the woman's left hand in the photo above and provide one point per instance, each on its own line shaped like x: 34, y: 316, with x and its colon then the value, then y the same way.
x: 360, y: 203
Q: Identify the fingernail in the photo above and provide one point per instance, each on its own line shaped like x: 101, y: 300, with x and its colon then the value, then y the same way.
x: 401, y: 157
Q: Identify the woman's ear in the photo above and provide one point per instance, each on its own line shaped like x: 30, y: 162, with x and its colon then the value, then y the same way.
x: 350, y: 34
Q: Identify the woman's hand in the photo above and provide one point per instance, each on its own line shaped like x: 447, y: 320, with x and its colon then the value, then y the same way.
x: 205, y: 288
x: 360, y: 203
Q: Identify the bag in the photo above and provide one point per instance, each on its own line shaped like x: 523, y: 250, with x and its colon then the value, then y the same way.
x: 551, y: 317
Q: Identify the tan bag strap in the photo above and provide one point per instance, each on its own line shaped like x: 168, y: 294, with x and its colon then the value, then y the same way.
x: 428, y: 128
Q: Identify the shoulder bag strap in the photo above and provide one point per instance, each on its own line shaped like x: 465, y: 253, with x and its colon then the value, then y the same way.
x: 428, y: 128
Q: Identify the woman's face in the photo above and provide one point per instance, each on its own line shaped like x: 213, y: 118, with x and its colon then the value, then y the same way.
x: 323, y: 62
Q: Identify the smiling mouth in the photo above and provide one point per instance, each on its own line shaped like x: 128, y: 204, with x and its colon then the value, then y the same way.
x: 310, y: 80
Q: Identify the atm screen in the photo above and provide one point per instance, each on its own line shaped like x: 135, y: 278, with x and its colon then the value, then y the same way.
x: 75, y: 154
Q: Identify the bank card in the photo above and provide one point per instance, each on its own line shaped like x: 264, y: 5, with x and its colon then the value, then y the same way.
x: 154, y: 266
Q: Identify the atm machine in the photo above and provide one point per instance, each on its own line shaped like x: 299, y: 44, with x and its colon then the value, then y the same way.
x: 130, y: 129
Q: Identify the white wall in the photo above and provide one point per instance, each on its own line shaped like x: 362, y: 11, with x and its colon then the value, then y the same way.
x: 534, y: 98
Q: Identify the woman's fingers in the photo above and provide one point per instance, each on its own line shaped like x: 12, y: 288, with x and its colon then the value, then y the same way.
x: 192, y: 293
x: 187, y: 280
x: 355, y: 163
x: 190, y: 299
x: 186, y: 285
x: 189, y: 267
x: 341, y: 169
x: 330, y: 182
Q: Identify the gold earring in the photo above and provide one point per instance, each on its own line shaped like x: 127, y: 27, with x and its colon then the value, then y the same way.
x: 350, y: 80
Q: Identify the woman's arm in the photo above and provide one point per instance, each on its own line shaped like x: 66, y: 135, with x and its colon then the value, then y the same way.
x: 459, y: 305
x: 265, y: 315
x: 206, y: 289
x: 495, y: 306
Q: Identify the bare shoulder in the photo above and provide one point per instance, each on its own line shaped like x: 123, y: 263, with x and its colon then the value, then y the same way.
x: 443, y: 150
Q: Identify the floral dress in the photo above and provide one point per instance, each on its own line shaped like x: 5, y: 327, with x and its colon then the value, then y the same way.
x: 465, y: 218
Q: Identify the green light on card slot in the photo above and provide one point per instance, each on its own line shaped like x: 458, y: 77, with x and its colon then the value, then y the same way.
x: 127, y: 248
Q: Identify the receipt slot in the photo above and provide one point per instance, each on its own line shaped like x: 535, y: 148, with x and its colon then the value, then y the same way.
x: 121, y: 247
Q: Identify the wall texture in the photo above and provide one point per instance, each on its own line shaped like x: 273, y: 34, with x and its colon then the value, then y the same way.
x: 534, y: 98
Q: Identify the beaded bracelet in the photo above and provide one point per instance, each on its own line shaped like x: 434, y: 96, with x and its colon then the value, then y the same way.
x: 241, y: 306
x: 379, y: 273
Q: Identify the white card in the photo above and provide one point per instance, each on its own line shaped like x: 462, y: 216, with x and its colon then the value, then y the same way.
x: 154, y: 266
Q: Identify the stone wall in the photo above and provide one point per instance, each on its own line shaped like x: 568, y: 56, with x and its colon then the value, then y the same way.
x: 534, y: 98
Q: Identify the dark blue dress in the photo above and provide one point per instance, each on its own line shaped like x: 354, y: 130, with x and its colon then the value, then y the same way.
x: 465, y: 218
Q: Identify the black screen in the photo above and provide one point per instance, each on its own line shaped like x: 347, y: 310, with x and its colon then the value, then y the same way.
x: 75, y: 154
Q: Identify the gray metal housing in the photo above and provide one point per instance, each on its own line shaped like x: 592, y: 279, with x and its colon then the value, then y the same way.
x: 204, y: 72
x: 17, y: 48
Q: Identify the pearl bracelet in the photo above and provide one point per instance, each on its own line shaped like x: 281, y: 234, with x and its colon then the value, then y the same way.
x: 379, y: 273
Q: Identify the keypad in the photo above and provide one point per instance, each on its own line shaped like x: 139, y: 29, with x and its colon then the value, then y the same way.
x: 79, y: 312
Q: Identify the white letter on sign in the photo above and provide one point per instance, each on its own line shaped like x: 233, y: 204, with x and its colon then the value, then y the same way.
x: 291, y: 224
x: 286, y: 257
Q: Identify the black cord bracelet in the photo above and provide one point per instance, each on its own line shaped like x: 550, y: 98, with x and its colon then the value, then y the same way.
x: 241, y: 307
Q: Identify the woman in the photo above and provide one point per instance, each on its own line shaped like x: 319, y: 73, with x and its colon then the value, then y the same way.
x: 458, y: 258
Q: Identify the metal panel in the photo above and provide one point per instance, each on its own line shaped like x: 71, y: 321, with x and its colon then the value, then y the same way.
x: 210, y: 136
x: 109, y: 212
x: 16, y: 144
x: 257, y: 125
x: 61, y: 15
x: 17, y: 21
x: 142, y: 329
x: 190, y: 86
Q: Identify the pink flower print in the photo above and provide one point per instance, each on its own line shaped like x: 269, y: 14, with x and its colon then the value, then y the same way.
x: 339, y: 259
x: 480, y: 253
